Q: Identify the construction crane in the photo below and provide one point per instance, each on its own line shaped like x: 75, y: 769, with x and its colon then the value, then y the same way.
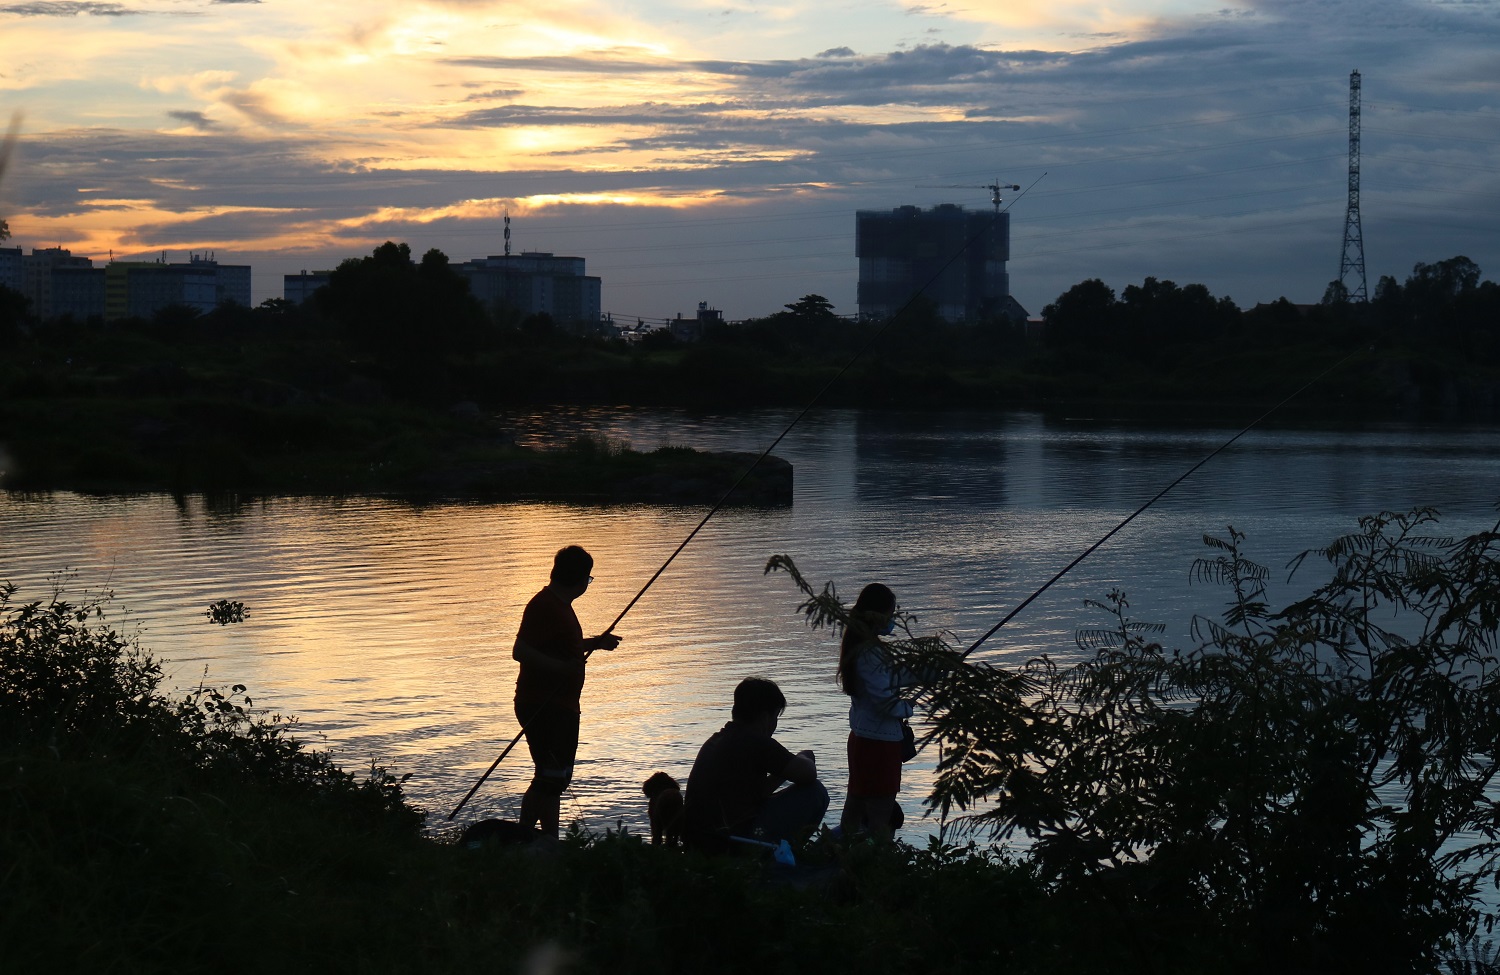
x: 994, y: 188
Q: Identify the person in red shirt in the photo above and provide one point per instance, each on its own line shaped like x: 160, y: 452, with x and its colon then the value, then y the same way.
x: 552, y: 651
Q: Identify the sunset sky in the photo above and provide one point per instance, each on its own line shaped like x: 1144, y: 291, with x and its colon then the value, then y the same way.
x: 695, y: 151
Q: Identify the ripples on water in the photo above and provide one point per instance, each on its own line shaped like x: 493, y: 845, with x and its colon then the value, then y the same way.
x: 387, y: 628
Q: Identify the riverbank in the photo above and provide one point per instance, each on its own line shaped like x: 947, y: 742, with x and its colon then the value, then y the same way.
x: 141, y: 833
x: 298, y: 446
x: 144, y: 871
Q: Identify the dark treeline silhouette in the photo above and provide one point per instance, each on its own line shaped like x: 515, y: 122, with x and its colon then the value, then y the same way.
x: 391, y: 328
x: 1144, y: 318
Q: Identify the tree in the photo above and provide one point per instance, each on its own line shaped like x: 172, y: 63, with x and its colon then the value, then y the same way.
x: 1445, y: 280
x: 1298, y: 777
x: 398, y: 308
x: 14, y: 308
x: 1436, y: 295
x: 1389, y: 303
x: 1306, y: 788
x: 4, y: 231
x: 809, y: 309
x: 1160, y: 311
x: 1084, y: 312
x: 1337, y: 293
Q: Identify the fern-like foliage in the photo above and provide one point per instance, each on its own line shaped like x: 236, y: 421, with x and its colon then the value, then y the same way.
x: 1315, y: 783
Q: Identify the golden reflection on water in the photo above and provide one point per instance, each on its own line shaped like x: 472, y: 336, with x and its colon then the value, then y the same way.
x: 386, y: 628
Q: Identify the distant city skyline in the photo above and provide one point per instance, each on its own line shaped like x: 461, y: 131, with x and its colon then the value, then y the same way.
x: 694, y: 152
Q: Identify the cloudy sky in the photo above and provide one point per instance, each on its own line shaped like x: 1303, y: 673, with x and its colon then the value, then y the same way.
x: 717, y: 151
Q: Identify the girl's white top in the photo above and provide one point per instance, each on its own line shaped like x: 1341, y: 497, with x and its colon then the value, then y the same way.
x: 878, y: 709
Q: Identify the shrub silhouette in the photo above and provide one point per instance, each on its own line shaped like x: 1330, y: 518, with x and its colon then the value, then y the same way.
x: 1308, y: 786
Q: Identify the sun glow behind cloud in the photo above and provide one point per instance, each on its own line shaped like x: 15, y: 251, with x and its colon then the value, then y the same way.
x: 490, y: 209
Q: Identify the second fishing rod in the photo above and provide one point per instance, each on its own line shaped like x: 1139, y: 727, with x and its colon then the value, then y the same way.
x: 869, y: 343
x: 1157, y: 497
x: 1057, y: 577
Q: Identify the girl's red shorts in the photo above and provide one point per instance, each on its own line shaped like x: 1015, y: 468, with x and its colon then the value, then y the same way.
x: 874, y: 767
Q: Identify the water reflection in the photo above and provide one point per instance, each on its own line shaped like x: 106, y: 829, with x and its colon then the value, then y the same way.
x: 387, y: 628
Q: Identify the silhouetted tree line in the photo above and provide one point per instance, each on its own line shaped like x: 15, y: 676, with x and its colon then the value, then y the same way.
x: 1440, y: 301
x: 1445, y: 303
x: 1147, y: 315
x: 412, y: 330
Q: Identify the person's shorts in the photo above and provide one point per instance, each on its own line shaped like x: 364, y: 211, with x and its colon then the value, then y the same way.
x: 551, y: 736
x: 874, y: 767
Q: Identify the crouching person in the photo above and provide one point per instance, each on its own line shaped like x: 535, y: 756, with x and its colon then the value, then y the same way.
x: 732, y: 790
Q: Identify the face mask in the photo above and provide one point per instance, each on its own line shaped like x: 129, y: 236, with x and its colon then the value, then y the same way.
x: 889, y: 628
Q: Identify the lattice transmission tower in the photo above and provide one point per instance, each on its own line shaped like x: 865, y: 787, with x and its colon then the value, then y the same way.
x: 1353, y: 261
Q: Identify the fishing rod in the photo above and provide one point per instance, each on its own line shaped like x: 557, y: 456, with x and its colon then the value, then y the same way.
x: 869, y: 342
x: 1159, y: 495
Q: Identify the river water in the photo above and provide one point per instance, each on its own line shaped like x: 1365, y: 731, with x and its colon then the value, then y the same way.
x: 386, y: 628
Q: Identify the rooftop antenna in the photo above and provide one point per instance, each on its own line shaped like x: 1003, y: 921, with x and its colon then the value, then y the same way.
x: 507, y: 235
x: 1353, y: 261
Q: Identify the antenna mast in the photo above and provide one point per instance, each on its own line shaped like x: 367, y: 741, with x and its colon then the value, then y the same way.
x: 1353, y: 261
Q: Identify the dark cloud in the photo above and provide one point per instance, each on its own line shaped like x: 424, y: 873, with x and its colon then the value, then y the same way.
x: 600, y: 62
x: 928, y: 74
x: 197, y: 120
x: 67, y: 8
x: 245, y: 226
x: 644, y: 114
x: 493, y: 93
x: 836, y: 52
x: 253, y: 105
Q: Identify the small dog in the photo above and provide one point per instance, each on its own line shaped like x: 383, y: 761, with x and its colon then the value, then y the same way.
x: 664, y: 808
x: 502, y: 832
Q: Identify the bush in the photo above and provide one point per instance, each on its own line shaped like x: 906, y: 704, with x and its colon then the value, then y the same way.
x: 77, y: 688
x: 1306, y: 789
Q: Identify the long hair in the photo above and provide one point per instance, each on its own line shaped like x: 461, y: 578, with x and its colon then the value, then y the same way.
x: 875, y: 602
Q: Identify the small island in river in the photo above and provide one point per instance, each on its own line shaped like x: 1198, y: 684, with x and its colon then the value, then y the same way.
x: 278, y: 441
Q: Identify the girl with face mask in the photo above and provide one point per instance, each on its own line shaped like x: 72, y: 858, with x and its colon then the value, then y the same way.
x: 877, y: 715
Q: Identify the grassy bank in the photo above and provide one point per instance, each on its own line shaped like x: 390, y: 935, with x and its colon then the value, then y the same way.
x: 114, y: 868
x: 1213, y: 810
x: 140, y: 832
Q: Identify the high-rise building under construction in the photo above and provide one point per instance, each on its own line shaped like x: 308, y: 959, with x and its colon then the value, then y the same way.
x: 950, y: 256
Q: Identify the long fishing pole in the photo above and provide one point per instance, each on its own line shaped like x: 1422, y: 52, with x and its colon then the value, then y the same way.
x: 869, y: 342
x: 1159, y: 495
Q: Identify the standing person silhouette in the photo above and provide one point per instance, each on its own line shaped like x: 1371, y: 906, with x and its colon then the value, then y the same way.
x: 877, y: 714
x: 552, y: 653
